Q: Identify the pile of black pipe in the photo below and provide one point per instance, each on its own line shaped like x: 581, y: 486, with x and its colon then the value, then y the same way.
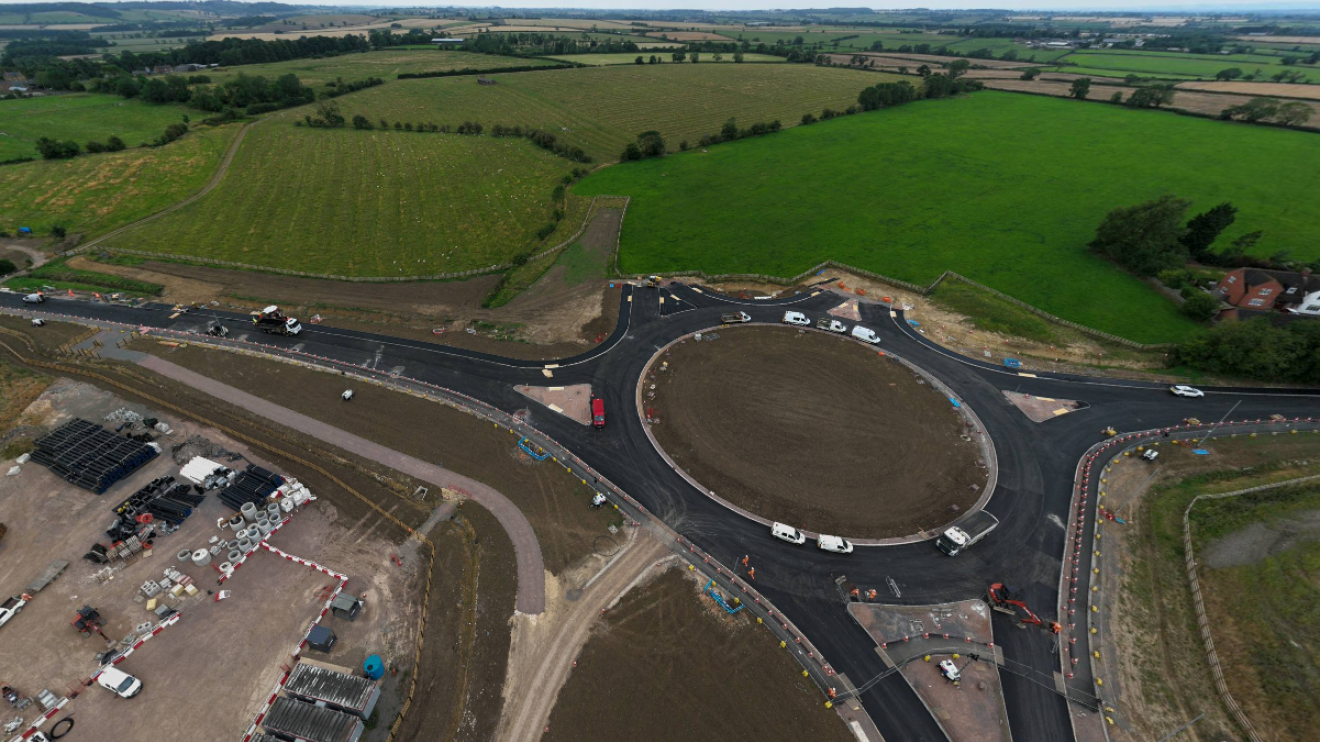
x: 252, y: 485
x: 89, y: 456
x: 163, y: 498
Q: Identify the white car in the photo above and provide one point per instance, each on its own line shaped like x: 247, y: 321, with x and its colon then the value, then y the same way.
x: 119, y: 682
x: 788, y: 533
x: 36, y: 298
x: 866, y: 335
x: 796, y: 318
x: 1181, y: 390
x: 834, y: 544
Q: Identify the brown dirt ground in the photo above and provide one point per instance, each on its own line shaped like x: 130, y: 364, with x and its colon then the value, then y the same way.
x: 554, y: 502
x: 1154, y: 692
x: 1276, y: 89
x: 483, y: 647
x: 789, y: 395
x: 1210, y: 104
x: 667, y: 664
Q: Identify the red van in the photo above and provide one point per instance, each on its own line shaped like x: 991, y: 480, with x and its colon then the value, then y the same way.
x: 597, y: 412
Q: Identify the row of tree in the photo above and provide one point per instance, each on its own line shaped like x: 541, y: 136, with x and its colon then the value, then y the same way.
x: 53, y: 149
x: 1156, y: 236
x: 1256, y: 348
x: 1256, y: 110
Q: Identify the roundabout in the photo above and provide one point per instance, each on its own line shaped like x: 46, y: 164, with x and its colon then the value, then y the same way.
x: 814, y: 430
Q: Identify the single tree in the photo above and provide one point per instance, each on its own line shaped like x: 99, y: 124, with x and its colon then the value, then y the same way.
x: 631, y: 153
x: 1293, y: 113
x: 924, y: 70
x: 738, y: 56
x: 1199, y: 305
x: 956, y: 68
x: 1030, y: 73
x: 717, y: 57
x: 1253, y: 110
x: 361, y: 122
x: 696, y: 57
x: 678, y: 56
x: 1205, y: 228
x: 638, y: 60
x: 1080, y: 88
x: 729, y: 131
x: 1146, y: 238
x: 1117, y: 97
x: 1232, y: 73
x: 58, y: 232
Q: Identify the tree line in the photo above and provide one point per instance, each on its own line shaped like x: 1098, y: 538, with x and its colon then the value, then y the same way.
x: 53, y: 149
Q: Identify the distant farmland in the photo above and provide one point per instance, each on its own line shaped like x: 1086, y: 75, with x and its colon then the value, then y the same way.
x: 97, y: 193
x: 384, y: 64
x: 603, y: 109
x: 80, y: 117
x: 1006, y: 189
x: 378, y: 203
x: 1119, y: 63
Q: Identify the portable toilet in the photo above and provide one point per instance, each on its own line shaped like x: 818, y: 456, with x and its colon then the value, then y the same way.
x: 321, y: 638
x: 374, y: 667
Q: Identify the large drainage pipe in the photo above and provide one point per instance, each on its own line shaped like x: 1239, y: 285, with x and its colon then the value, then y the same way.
x: 201, y: 557
x: 184, y: 555
x: 249, y: 511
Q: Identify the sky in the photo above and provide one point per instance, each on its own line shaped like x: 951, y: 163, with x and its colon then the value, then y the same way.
x: 1188, y: 6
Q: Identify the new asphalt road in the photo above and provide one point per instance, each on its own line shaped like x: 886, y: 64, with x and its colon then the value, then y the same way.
x: 1036, y: 465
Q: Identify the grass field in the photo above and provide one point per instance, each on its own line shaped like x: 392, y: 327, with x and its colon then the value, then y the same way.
x: 599, y: 60
x: 347, y: 202
x: 383, y: 64
x: 80, y: 117
x: 1005, y: 189
x: 1280, y: 625
x: 1118, y: 75
x: 604, y: 108
x: 94, y: 194
x: 1153, y: 63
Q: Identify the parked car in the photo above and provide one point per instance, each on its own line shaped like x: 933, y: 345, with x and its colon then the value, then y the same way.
x: 1182, y: 390
x: 831, y: 325
x: 119, y: 682
x: 788, y: 533
x: 950, y: 671
x: 866, y: 335
x: 597, y: 412
x: 834, y: 544
x: 796, y: 318
x: 1151, y: 455
x: 36, y: 298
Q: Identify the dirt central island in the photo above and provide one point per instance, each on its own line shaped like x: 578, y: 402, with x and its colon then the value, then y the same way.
x: 814, y: 430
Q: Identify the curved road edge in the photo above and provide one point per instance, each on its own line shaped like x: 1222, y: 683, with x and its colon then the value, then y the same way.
x: 531, y: 567
x: 985, y: 443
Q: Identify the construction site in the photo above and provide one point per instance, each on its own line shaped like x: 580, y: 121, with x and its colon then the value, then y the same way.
x: 156, y: 559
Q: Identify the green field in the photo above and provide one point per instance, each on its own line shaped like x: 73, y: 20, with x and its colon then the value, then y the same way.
x: 1005, y: 189
x: 599, y: 60
x: 80, y: 117
x: 1205, y: 66
x: 604, y: 108
x: 1118, y: 75
x: 348, y: 202
x: 94, y: 194
x: 383, y: 64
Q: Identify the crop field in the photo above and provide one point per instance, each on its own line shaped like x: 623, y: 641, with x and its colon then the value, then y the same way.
x: 383, y: 64
x: 348, y: 202
x: 1120, y: 74
x: 97, y: 193
x: 80, y: 117
x: 602, y: 109
x: 600, y: 60
x: 1160, y: 64
x: 988, y: 185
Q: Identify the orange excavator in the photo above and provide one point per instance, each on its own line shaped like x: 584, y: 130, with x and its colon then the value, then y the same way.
x: 1005, y: 600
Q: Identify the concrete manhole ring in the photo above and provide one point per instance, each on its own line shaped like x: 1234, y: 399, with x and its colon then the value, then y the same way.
x: 605, y: 546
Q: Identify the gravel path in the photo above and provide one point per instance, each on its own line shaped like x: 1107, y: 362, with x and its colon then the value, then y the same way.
x: 531, y: 568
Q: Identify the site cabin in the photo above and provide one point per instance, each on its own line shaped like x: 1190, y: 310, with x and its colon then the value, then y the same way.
x: 597, y: 412
x: 273, y: 322
x: 733, y: 318
x: 971, y: 529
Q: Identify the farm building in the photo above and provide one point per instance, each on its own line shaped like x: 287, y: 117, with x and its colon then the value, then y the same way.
x: 1263, y: 290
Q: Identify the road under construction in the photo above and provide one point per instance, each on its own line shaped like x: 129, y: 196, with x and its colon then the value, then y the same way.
x: 1043, y: 475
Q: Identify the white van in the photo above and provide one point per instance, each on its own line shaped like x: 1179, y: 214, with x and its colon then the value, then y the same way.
x: 788, y: 533
x: 866, y: 335
x: 834, y: 544
x: 796, y: 318
x: 119, y: 682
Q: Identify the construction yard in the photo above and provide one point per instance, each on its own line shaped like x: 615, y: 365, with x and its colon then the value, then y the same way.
x: 216, y: 654
x: 815, y: 430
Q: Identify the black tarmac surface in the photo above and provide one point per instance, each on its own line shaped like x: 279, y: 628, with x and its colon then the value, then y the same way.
x: 1036, y: 466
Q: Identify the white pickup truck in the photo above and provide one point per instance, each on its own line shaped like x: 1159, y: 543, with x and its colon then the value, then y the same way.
x: 12, y: 606
x: 971, y: 529
x: 733, y: 318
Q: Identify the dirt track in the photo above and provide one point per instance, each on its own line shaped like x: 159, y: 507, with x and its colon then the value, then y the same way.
x: 815, y: 430
x: 545, y: 647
